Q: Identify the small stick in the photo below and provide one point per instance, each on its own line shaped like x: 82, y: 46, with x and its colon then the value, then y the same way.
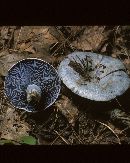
x: 18, y: 38
x: 109, y: 129
x: 62, y: 137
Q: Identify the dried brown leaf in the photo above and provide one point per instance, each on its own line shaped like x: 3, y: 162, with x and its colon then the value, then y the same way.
x: 7, y: 60
x: 68, y: 109
x: 90, y: 39
x: 127, y: 64
x: 12, y: 126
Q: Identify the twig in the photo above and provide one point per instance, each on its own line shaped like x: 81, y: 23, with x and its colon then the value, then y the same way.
x: 65, y: 41
x: 124, y: 130
x: 60, y: 134
x: 18, y: 38
x: 78, y: 137
x: 109, y: 129
x: 119, y: 104
x: 62, y: 137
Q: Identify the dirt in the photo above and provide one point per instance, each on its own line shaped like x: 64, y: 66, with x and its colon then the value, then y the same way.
x: 71, y: 120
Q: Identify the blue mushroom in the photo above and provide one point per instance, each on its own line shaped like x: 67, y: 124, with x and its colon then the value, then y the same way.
x: 32, y: 84
x: 94, y: 76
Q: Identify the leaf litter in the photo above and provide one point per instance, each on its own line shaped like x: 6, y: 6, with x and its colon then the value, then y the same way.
x: 66, y: 122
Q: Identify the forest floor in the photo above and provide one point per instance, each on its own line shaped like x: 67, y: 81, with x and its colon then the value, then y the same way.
x: 90, y: 122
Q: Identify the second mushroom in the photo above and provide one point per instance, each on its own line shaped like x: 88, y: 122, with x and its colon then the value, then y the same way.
x: 94, y: 76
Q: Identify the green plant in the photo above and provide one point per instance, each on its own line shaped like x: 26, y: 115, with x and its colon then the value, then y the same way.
x: 30, y: 140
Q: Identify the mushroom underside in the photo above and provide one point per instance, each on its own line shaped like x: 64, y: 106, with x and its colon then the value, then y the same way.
x: 32, y: 73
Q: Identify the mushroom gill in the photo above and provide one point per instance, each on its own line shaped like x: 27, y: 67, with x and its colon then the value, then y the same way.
x: 32, y: 84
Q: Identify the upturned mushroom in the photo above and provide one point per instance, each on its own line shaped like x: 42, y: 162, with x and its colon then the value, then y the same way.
x: 32, y: 84
x: 94, y: 76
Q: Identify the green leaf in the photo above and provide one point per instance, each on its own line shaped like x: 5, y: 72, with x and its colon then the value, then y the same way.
x: 2, y: 142
x: 30, y: 140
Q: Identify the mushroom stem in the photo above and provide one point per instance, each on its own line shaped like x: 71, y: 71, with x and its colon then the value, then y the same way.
x: 33, y: 93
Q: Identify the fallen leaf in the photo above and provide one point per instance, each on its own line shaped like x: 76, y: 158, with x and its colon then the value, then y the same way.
x: 7, y: 60
x: 30, y: 140
x: 127, y: 64
x: 3, y: 142
x: 90, y: 39
x: 30, y: 49
x: 12, y: 126
x: 66, y: 107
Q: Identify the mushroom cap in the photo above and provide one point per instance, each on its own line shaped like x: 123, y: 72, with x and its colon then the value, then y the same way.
x: 94, y: 76
x: 28, y: 72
